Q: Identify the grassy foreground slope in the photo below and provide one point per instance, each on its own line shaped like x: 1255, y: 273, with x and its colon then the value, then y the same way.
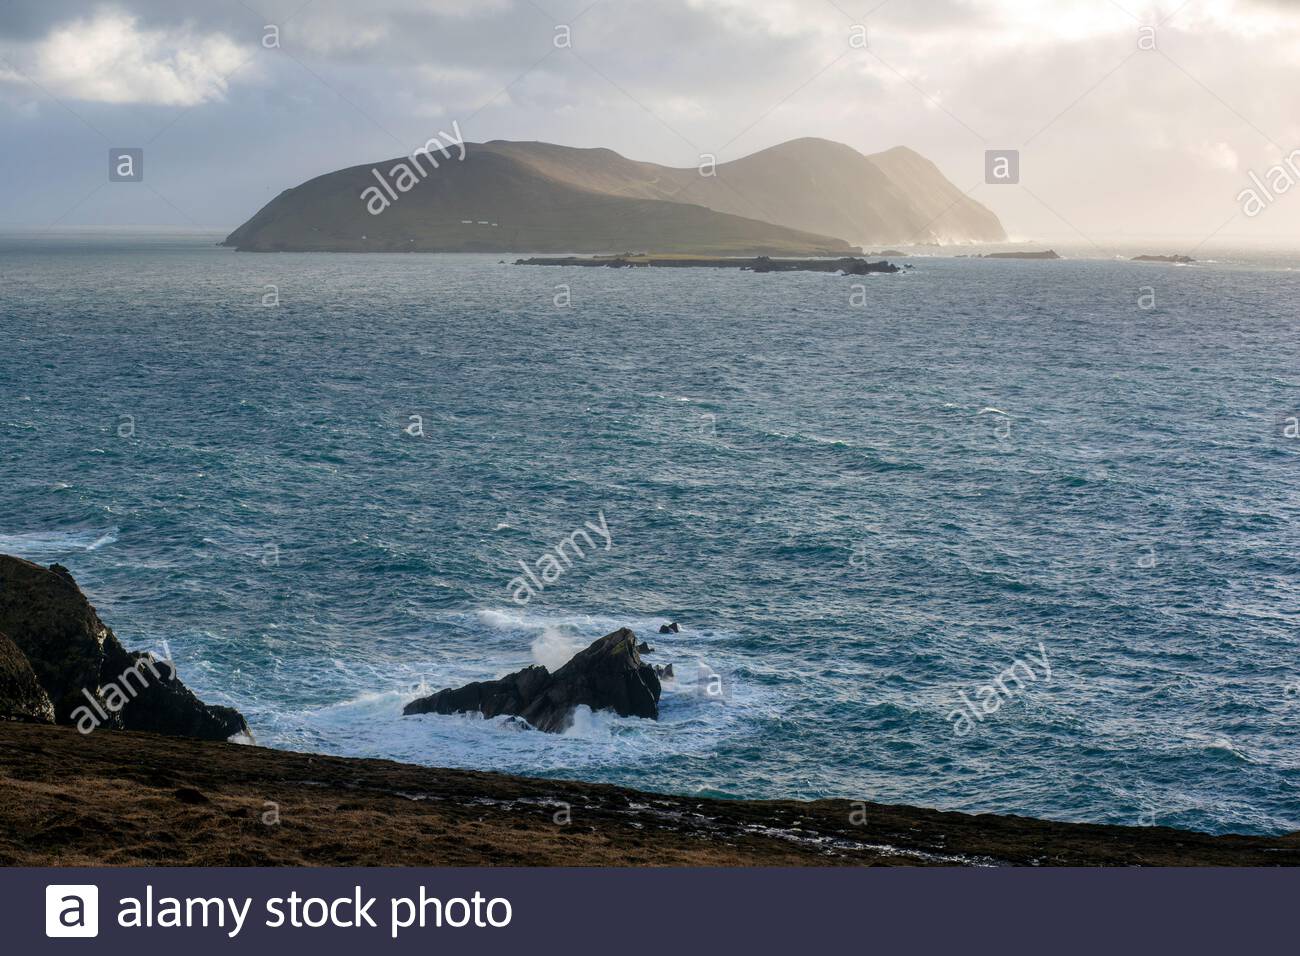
x: 120, y: 798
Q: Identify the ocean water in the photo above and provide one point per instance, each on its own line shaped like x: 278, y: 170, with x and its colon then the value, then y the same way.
x: 858, y: 510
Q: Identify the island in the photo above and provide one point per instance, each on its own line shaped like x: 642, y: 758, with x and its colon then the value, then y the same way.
x: 1049, y: 254
x: 847, y: 265
x: 1179, y: 260
x: 806, y: 197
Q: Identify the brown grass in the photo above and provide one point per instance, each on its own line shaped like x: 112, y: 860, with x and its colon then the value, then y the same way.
x: 121, y: 799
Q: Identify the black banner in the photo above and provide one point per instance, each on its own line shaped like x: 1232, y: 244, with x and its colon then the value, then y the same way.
x: 633, y: 911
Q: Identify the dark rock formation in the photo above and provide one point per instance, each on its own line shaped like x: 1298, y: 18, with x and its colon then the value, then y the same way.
x: 861, y: 267
x: 164, y: 705
x: 848, y: 265
x: 512, y: 694
x: 1181, y: 260
x: 844, y: 265
x: 672, y: 628
x: 1049, y: 254
x: 608, y: 675
x: 644, y: 648
x: 21, y: 694
x: 91, y: 680
x: 664, y: 672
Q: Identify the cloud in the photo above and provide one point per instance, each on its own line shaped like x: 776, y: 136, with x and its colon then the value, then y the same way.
x: 1219, y: 156
x: 332, y: 34
x: 110, y: 58
x: 1110, y: 133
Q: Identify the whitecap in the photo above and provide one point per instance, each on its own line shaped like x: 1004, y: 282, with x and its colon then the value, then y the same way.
x: 536, y: 623
x: 500, y: 620
x: 41, y: 545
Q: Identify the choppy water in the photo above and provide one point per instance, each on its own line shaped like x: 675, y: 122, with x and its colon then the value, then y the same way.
x: 857, y: 513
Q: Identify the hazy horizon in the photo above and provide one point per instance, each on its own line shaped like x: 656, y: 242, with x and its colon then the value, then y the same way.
x: 1133, y: 121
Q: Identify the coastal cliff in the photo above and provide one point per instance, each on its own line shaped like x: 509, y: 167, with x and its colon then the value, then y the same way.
x: 59, y: 663
x: 190, y: 798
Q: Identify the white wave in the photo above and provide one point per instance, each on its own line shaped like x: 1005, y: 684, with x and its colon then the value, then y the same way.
x: 990, y: 410
x: 372, y: 725
x: 366, y: 719
x: 553, y: 648
x: 824, y: 440
x: 500, y: 620
x: 590, y: 626
x: 41, y: 545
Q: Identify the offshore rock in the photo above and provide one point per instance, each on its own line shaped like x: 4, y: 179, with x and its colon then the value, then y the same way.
x: 608, y: 675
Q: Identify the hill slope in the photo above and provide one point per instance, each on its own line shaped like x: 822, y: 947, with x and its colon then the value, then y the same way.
x: 493, y: 202
x: 67, y: 799
x: 805, y: 197
x: 814, y: 185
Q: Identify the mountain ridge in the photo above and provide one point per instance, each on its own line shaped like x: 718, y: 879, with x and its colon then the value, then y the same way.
x: 809, y: 197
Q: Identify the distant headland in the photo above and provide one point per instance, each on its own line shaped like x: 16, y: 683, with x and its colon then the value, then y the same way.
x: 806, y: 197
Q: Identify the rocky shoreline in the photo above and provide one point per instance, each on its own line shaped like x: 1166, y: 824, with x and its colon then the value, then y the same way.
x: 106, y: 758
x: 59, y: 663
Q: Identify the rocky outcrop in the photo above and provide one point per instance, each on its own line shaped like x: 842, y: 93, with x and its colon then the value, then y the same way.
x: 608, y: 675
x: 90, y: 679
x: 1048, y: 254
x: 21, y: 694
x: 1179, y: 260
x: 844, y: 265
x: 848, y: 265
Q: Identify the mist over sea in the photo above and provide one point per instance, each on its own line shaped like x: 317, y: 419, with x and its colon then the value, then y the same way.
x: 310, y: 480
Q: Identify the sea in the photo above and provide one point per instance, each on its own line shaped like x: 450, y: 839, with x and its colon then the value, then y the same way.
x: 986, y: 535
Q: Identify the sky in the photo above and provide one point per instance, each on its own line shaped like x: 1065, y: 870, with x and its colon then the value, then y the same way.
x: 1132, y: 119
